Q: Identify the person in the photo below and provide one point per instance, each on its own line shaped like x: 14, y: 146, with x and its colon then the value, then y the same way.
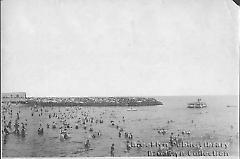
x: 10, y: 124
x: 54, y: 125
x: 128, y: 146
x: 130, y: 136
x: 87, y: 144
x: 164, y: 132
x: 126, y: 134
x: 16, y: 125
x: 6, y: 130
x: 23, y: 126
x: 23, y: 131
x: 5, y: 136
x: 99, y: 133
x: 119, y: 134
x: 65, y: 135
x: 40, y: 130
x: 112, y: 150
x: 171, y: 140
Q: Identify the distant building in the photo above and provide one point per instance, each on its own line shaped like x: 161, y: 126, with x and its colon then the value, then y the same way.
x: 14, y: 97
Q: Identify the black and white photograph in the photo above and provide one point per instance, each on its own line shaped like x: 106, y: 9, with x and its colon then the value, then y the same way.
x: 120, y: 78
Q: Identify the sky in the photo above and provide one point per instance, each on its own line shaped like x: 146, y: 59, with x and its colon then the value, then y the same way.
x: 120, y: 48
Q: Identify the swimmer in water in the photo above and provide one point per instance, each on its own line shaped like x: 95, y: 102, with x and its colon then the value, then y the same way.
x: 128, y: 146
x: 23, y: 132
x: 87, y: 144
x: 99, y: 133
x: 112, y: 150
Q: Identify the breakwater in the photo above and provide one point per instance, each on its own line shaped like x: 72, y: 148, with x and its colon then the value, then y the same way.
x: 93, y: 101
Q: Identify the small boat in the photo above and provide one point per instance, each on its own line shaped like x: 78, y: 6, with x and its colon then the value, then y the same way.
x: 231, y: 106
x: 197, y: 104
x: 131, y: 109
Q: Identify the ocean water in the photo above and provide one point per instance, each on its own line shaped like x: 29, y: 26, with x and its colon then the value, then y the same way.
x: 216, y: 124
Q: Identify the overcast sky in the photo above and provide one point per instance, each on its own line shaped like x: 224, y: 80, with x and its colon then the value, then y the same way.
x: 120, y: 48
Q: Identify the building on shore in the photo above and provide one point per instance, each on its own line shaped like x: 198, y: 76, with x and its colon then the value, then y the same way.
x: 13, y: 97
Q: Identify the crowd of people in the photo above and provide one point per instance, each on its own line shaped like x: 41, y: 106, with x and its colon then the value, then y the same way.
x: 15, y: 123
x: 62, y: 117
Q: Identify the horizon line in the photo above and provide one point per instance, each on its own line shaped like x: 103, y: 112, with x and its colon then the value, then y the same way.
x: 127, y: 95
